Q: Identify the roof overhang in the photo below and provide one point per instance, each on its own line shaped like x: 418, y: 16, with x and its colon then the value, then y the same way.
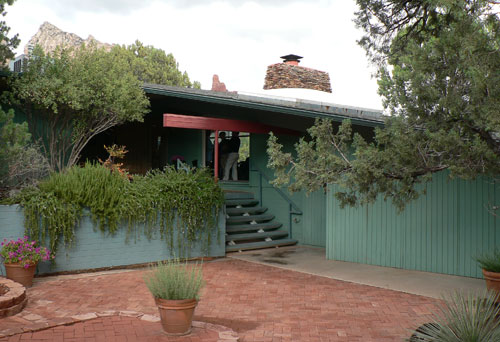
x: 295, y: 107
x: 216, y: 124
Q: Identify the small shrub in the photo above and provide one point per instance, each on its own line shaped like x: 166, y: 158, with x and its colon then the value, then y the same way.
x: 175, y: 280
x: 464, y: 318
x: 490, y: 262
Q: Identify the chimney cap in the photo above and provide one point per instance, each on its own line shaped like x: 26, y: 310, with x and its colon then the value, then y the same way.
x: 291, y: 58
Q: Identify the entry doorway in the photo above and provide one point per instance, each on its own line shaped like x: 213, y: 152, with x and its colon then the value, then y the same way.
x: 243, y: 161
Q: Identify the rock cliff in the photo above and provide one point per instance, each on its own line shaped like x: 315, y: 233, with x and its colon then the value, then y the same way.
x: 50, y: 36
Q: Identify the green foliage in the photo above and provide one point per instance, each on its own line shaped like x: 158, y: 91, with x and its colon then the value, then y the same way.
x: 467, y: 318
x: 8, y: 44
x: 69, y: 96
x: 152, y: 65
x: 12, y: 138
x: 244, y: 150
x: 21, y: 162
x: 490, y: 262
x: 173, y: 280
x: 155, y: 201
x: 439, y: 75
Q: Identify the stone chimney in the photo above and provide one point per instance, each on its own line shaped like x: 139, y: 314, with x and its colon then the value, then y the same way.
x: 290, y: 75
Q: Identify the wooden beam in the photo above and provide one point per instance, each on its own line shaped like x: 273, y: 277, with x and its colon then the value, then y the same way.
x: 217, y: 124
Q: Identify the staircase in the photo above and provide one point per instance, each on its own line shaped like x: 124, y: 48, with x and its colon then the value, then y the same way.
x: 250, y: 226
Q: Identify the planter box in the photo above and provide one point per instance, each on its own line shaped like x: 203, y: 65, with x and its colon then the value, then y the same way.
x: 94, y: 249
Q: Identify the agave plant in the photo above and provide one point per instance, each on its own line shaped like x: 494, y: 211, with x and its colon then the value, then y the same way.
x: 469, y: 317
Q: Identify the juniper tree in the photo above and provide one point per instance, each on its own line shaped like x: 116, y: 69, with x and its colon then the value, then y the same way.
x: 439, y: 75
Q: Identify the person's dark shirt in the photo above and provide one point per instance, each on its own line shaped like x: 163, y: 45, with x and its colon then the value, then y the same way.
x: 234, y: 144
x: 224, y: 146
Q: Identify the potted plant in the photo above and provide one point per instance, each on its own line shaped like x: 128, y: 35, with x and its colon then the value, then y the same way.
x: 175, y: 287
x: 490, y: 263
x: 20, y: 258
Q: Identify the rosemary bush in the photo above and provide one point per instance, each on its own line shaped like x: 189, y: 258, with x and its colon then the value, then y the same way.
x: 175, y: 280
x: 156, y: 202
x: 466, y: 318
x: 490, y: 262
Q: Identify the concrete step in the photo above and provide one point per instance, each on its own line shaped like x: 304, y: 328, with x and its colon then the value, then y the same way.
x: 242, y: 202
x: 231, y: 220
x: 244, y: 210
x: 242, y: 228
x: 235, y: 194
x: 260, y: 244
x: 274, y: 234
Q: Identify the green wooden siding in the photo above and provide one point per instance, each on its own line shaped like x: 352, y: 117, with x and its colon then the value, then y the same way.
x: 440, y: 232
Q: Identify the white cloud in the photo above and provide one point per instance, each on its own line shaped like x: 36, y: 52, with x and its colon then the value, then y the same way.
x: 235, y: 39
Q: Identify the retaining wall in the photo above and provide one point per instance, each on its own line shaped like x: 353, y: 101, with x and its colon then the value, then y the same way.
x: 93, y: 249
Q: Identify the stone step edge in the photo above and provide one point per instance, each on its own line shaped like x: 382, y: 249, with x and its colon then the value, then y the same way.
x: 14, y: 309
x: 16, y: 294
x: 225, y: 333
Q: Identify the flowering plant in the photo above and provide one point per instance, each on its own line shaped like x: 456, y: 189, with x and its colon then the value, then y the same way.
x: 22, y: 251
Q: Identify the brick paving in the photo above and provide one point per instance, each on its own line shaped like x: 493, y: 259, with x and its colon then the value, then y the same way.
x: 259, y: 302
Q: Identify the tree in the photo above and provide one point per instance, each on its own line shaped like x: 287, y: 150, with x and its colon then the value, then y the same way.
x: 21, y: 162
x: 152, y: 65
x: 439, y: 75
x: 8, y: 44
x: 70, y: 96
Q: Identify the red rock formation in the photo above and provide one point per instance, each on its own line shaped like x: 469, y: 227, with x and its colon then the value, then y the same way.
x: 217, y: 85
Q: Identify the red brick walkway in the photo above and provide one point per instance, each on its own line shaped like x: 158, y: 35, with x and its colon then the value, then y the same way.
x: 259, y: 302
x: 113, y: 329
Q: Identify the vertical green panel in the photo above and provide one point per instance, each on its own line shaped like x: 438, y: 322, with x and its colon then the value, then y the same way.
x: 440, y: 232
x: 186, y: 143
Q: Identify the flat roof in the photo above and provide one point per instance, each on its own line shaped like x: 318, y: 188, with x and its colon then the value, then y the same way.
x: 291, y: 106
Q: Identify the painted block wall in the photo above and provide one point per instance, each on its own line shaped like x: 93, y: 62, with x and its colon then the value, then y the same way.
x: 443, y: 231
x: 94, y: 249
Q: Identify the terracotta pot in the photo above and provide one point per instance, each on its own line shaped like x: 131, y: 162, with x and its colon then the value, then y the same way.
x: 19, y: 274
x: 176, y: 315
x: 492, y: 281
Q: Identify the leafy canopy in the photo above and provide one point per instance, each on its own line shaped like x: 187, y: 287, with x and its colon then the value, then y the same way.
x: 69, y: 96
x: 152, y: 65
x: 8, y: 44
x: 439, y: 75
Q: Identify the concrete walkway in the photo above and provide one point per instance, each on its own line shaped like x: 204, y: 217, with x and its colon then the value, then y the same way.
x: 312, y: 260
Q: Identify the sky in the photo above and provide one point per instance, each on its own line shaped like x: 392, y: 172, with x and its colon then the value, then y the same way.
x: 235, y: 39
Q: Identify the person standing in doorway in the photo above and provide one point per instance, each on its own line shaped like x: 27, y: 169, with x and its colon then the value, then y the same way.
x: 232, y: 158
x: 223, y: 152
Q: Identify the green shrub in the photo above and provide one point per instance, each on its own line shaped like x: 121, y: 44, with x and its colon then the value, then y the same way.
x: 175, y: 280
x: 464, y: 318
x: 152, y: 203
x: 490, y: 262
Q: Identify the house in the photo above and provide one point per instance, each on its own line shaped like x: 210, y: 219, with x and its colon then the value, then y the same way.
x: 440, y: 232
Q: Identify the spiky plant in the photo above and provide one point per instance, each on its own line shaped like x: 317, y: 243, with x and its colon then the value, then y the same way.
x: 465, y: 317
x: 173, y: 279
x: 490, y: 262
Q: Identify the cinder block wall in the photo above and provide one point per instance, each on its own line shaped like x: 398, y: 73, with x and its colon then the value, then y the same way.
x: 94, y: 249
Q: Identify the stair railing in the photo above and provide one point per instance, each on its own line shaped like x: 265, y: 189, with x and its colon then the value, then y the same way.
x: 293, y: 209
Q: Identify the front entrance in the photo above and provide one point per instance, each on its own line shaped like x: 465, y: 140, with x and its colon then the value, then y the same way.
x: 242, y: 163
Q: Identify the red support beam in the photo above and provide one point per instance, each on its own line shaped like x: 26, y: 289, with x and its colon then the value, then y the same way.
x: 216, y: 124
x: 216, y: 156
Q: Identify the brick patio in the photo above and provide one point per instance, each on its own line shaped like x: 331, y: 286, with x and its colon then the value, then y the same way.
x: 260, y: 303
